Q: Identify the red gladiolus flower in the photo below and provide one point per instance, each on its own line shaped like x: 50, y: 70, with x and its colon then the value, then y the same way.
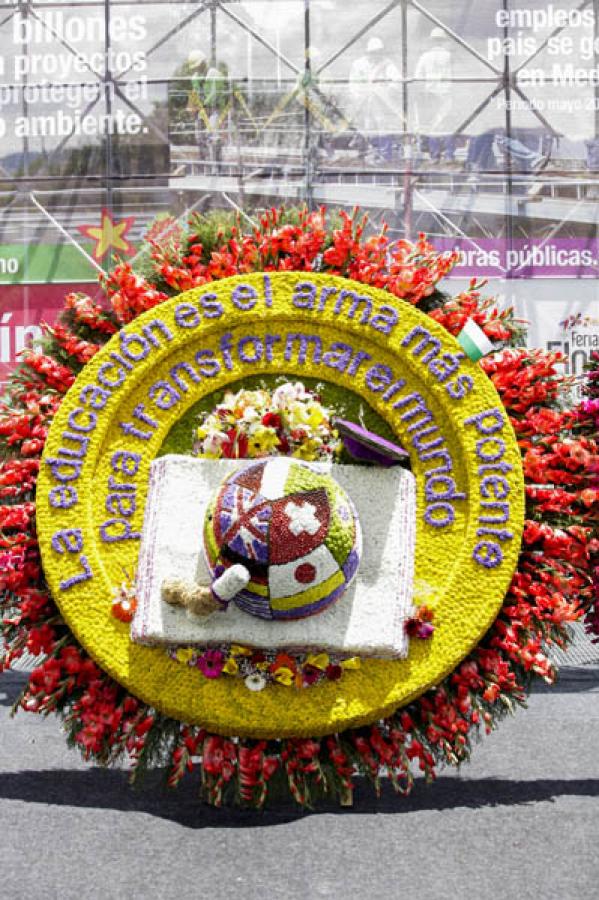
x: 46, y: 678
x: 41, y: 640
x: 236, y: 445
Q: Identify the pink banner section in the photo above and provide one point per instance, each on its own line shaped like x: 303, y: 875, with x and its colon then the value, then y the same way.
x: 22, y: 309
x: 576, y: 257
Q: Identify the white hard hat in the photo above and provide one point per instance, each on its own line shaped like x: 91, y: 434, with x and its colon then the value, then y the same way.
x: 196, y: 58
x: 437, y: 34
x: 374, y: 44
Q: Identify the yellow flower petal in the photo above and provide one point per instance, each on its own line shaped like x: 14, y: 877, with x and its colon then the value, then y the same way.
x: 354, y: 662
x: 184, y: 654
x: 315, y: 416
x: 318, y: 660
x: 308, y: 450
x: 284, y: 676
x: 231, y: 667
x: 238, y: 650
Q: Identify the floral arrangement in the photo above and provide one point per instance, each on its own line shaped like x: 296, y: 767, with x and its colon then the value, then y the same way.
x: 124, y: 601
x: 259, y: 668
x: 420, y: 625
x: 552, y: 586
x: 288, y: 421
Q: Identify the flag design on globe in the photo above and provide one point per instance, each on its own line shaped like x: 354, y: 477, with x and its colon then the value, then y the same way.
x: 295, y: 530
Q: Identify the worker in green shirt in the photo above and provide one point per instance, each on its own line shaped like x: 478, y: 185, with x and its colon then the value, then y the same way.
x: 210, y: 100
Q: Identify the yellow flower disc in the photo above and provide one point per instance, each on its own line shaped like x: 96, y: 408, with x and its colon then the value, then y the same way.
x: 441, y: 406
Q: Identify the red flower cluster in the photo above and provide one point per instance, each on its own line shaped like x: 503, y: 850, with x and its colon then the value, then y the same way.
x: 103, y: 719
x: 75, y: 347
x: 247, y: 765
x: 23, y: 428
x: 588, y: 424
x: 525, y: 378
x: 84, y: 311
x: 408, y: 270
x: 17, y: 476
x: 130, y: 294
x: 47, y: 370
x: 498, y: 325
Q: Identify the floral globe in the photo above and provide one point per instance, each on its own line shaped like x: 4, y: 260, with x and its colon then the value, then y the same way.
x: 293, y: 528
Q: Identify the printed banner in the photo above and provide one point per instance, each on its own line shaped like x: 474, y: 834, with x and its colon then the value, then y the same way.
x: 22, y: 309
x: 35, y: 263
x: 576, y: 257
x: 568, y: 324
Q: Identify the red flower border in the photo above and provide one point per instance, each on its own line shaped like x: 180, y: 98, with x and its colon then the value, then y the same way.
x: 552, y: 586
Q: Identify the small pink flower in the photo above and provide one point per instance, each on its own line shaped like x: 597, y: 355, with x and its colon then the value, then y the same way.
x: 420, y: 625
x: 425, y: 630
x: 211, y: 663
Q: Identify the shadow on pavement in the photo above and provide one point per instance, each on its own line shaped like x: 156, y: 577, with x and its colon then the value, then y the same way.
x: 97, y: 788
x: 101, y: 789
x: 571, y: 680
x: 11, y: 685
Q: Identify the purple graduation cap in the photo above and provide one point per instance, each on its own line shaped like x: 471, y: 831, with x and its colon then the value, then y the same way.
x: 369, y: 447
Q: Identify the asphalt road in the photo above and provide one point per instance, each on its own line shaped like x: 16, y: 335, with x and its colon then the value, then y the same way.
x: 520, y: 821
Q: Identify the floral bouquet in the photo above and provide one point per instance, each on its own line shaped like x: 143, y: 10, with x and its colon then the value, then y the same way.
x: 289, y: 421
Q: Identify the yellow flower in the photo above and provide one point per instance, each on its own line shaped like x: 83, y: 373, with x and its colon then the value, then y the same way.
x: 318, y: 660
x: 263, y: 440
x: 263, y: 666
x: 354, y: 662
x: 311, y: 414
x: 308, y: 450
x: 208, y: 454
x: 315, y: 415
x: 284, y: 676
x: 231, y: 667
x: 238, y: 650
x: 184, y: 654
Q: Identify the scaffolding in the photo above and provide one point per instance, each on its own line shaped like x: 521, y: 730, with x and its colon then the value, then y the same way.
x: 333, y: 114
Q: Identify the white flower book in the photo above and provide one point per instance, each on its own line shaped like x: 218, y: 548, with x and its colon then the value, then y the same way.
x: 368, y: 620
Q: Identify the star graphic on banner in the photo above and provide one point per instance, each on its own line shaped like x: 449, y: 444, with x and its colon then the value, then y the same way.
x: 109, y: 235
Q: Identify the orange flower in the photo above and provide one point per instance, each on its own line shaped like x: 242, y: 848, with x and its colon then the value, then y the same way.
x: 283, y: 661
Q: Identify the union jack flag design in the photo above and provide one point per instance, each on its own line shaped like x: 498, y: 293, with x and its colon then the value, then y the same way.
x: 241, y: 521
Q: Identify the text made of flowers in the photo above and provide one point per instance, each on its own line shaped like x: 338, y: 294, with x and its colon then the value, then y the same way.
x: 227, y: 316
